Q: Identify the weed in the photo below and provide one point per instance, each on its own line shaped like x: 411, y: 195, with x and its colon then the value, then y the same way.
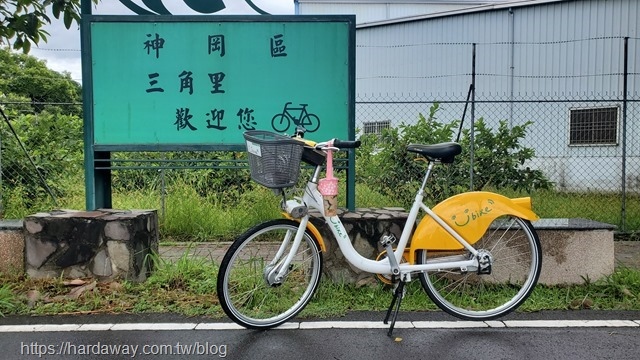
x: 187, y: 286
x: 7, y: 299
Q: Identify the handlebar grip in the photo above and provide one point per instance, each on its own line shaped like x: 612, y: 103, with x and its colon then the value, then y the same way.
x: 346, y: 144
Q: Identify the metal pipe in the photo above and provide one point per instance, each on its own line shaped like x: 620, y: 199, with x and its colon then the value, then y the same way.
x: 512, y: 40
x: 625, y: 75
x: 473, y: 115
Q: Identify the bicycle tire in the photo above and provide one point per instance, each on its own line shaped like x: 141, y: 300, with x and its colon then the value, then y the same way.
x: 244, y: 293
x: 311, y: 122
x: 282, y: 125
x: 517, y: 262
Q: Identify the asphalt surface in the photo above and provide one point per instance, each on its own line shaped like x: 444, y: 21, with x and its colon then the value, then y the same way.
x: 419, y: 335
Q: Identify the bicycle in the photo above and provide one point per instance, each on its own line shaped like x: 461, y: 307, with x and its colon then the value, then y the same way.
x: 281, y: 122
x: 476, y: 254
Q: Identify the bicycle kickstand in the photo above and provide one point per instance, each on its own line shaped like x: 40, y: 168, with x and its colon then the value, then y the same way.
x: 398, y: 294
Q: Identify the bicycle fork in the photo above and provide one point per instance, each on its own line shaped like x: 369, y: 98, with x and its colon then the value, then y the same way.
x: 276, y: 271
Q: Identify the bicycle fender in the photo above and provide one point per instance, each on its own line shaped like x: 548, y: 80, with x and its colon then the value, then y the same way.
x: 313, y: 229
x: 469, y: 214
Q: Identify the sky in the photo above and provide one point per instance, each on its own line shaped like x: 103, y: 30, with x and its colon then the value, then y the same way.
x: 62, y: 50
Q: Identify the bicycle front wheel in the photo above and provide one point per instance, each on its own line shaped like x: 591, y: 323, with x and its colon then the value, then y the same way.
x: 514, y: 251
x: 248, y: 292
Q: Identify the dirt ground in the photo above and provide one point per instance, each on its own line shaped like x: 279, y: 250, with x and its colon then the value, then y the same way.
x: 627, y: 253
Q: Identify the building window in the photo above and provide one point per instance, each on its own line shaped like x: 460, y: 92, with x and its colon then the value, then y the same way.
x: 594, y: 126
x: 376, y: 127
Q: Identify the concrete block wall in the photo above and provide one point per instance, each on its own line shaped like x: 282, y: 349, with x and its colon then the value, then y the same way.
x: 105, y: 244
x: 113, y: 243
x: 573, y: 250
x: 11, y: 246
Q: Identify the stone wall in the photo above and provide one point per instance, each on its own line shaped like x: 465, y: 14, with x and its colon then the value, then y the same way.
x: 365, y: 226
x: 116, y: 244
x: 105, y: 244
x: 573, y: 250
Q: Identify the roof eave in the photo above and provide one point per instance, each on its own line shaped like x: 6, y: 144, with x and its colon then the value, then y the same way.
x: 469, y: 10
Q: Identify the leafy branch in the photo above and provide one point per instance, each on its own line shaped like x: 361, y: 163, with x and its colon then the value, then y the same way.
x: 22, y: 20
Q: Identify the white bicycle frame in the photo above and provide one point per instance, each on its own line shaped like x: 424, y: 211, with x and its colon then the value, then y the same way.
x: 313, y: 199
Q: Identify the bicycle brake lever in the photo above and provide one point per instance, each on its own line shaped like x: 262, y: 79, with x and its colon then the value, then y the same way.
x: 323, y: 146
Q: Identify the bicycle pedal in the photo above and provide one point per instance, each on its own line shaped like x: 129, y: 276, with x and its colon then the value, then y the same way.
x: 388, y: 240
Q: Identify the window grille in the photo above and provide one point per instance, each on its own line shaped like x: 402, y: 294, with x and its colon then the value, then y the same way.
x: 594, y: 126
x: 376, y: 127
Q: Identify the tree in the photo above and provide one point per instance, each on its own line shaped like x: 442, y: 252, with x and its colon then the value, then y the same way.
x: 22, y: 20
x: 28, y: 77
x: 43, y: 124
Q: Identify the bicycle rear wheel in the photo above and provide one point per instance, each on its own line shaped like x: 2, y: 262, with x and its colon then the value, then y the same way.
x: 247, y: 290
x: 515, y: 249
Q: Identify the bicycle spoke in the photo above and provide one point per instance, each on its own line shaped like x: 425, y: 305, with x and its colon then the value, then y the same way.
x: 516, y: 260
x: 246, y: 294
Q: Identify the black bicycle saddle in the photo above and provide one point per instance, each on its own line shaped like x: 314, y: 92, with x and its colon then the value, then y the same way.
x: 443, y: 152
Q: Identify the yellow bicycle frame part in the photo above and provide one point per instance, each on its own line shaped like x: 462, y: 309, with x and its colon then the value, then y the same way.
x: 313, y: 229
x: 469, y: 214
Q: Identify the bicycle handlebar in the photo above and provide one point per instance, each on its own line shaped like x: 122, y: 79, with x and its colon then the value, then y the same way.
x: 340, y: 144
x: 336, y: 145
x: 346, y: 144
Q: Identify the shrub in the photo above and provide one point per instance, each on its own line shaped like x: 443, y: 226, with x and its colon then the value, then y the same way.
x: 52, y: 141
x: 384, y: 164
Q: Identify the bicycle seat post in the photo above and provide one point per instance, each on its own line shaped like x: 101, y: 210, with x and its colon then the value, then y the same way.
x: 427, y: 175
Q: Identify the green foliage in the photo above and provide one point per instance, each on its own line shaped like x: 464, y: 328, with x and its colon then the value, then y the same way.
x: 187, y: 286
x: 22, y: 20
x: 190, y: 274
x: 384, y: 164
x: 53, y: 141
x: 6, y: 299
x: 219, y: 173
x: 25, y: 79
x: 499, y: 158
x: 191, y: 216
x: 50, y: 133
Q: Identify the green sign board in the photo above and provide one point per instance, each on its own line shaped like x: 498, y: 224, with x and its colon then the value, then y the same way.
x: 169, y: 82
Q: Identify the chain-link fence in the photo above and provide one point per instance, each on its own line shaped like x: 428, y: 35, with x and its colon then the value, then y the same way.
x: 585, y: 145
x: 582, y: 127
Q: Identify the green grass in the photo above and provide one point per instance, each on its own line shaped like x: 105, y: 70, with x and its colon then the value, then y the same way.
x: 187, y: 215
x: 7, y: 299
x: 603, y: 207
x: 187, y: 287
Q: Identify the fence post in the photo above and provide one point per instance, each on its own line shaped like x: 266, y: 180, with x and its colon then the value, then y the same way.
x: 625, y: 74
x: 473, y: 115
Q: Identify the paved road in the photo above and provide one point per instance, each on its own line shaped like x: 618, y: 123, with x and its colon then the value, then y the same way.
x: 544, y: 335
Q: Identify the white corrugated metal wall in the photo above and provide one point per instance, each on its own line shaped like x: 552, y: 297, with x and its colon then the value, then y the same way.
x: 550, y: 51
x: 367, y: 11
